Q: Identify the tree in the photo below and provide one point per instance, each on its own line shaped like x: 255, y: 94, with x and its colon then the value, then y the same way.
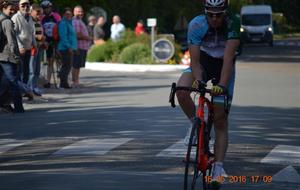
x: 168, y: 11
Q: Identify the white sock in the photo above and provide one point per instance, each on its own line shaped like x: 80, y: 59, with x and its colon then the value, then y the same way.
x: 217, y: 169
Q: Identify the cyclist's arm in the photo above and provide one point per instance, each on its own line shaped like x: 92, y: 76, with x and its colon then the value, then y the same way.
x: 195, y: 59
x: 229, y: 56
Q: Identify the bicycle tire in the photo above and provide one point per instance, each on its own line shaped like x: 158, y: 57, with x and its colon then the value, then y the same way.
x: 191, y: 161
x: 56, y: 66
x: 205, y: 140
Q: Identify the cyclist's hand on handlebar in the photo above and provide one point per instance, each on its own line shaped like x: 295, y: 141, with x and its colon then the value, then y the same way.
x: 218, y: 90
x: 200, y: 84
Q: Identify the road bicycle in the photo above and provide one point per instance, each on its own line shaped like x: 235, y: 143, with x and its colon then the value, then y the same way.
x: 199, y: 158
x: 56, y: 66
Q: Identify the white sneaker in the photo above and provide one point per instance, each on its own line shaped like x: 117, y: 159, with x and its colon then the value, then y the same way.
x: 187, y: 137
x: 218, y: 176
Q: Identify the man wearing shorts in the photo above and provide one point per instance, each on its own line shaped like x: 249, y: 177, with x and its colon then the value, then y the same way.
x: 83, y: 43
x: 213, y: 40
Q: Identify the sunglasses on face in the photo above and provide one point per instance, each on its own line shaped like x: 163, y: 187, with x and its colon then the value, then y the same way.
x: 214, y: 14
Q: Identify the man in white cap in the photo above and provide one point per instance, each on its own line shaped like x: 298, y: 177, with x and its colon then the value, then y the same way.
x: 24, y: 28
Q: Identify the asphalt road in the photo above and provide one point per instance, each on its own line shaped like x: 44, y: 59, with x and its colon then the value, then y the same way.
x: 118, y: 131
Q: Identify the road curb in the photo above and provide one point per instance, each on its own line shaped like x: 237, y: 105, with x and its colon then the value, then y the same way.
x: 120, y: 67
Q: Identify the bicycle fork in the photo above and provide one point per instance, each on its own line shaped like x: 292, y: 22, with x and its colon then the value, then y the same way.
x: 203, y: 135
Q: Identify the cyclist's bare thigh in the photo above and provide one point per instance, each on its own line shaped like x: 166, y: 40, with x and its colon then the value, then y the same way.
x: 186, y: 79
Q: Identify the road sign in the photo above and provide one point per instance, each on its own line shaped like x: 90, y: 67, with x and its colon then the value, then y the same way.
x: 151, y: 22
x: 98, y: 11
x: 163, y: 49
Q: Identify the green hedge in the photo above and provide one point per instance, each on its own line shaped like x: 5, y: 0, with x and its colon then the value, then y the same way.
x: 136, y: 53
x: 131, y: 49
x: 110, y: 51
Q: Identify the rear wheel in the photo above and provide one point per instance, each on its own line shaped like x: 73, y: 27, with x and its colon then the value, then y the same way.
x: 56, y: 69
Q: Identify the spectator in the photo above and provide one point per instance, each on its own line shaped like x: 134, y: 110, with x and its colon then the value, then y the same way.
x: 9, y: 60
x: 117, y: 28
x: 35, y: 62
x: 83, y: 44
x: 139, y: 29
x: 66, y: 46
x: 99, y: 34
x: 92, y: 20
x: 24, y: 28
x: 5, y: 94
x: 49, y: 23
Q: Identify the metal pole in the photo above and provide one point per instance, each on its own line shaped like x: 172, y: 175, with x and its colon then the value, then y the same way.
x: 152, y: 42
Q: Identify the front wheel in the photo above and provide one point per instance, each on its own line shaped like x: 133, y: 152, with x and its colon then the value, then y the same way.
x: 191, y: 172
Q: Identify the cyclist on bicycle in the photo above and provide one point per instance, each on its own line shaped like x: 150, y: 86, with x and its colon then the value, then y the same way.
x: 49, y: 22
x: 213, y: 40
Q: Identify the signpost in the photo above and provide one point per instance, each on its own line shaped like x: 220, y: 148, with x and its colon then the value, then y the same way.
x: 163, y: 50
x: 152, y: 22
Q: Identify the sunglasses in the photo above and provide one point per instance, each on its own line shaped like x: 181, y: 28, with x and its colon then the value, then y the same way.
x: 214, y: 14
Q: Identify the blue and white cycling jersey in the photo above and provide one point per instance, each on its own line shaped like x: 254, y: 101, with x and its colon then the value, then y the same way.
x: 212, y: 41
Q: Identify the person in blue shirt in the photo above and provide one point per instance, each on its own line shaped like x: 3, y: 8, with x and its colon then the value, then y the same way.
x: 67, y: 46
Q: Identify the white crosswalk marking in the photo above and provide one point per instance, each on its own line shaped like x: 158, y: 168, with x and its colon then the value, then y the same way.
x: 178, y: 150
x: 92, y: 146
x: 284, y: 154
x: 9, y: 144
x: 288, y: 174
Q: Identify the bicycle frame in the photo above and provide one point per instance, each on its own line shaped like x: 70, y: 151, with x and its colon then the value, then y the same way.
x: 202, y: 127
x: 204, y: 161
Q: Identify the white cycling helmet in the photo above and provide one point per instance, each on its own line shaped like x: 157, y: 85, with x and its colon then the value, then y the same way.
x: 46, y: 4
x: 223, y: 4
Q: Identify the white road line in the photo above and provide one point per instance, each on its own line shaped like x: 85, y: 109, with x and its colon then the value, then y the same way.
x: 283, y: 154
x: 178, y: 150
x: 9, y: 144
x: 92, y: 147
x: 288, y: 174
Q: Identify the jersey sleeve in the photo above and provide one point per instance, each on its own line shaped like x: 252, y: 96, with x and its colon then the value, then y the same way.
x: 233, y: 28
x: 197, y: 29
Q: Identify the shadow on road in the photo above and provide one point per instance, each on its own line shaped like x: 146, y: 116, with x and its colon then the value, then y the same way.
x: 152, y: 128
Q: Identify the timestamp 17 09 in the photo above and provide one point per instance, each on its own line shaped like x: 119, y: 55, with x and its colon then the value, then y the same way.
x: 241, y: 179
